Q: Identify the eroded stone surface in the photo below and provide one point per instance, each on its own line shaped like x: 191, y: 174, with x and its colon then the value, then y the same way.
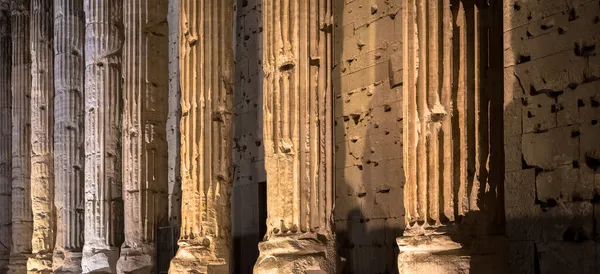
x: 69, y: 69
x: 42, y: 133
x: 173, y: 137
x: 206, y: 65
x: 22, y: 217
x: 5, y: 135
x: 103, y: 127
x: 145, y: 61
x: 297, y: 138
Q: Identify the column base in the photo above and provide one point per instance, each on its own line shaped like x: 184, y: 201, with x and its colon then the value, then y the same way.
x: 197, y: 259
x: 431, y: 254
x: 4, y: 258
x: 297, y: 254
x: 137, y: 260
x: 66, y: 262
x: 99, y: 260
x: 40, y: 263
x: 18, y: 263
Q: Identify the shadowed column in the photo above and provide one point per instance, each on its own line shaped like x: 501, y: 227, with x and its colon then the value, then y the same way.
x: 22, y: 217
x: 5, y: 135
x: 145, y: 67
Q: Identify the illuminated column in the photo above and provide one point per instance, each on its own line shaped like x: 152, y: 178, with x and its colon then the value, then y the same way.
x: 297, y: 103
x: 206, y: 67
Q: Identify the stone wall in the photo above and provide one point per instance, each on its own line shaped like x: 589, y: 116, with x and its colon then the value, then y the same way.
x: 551, y: 131
x: 368, y: 133
x: 249, y: 189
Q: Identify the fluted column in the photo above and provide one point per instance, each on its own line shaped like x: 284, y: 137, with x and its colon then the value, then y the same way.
x: 22, y: 217
x: 173, y: 137
x: 448, y: 196
x: 42, y: 123
x: 103, y: 100
x: 297, y: 103
x: 206, y: 63
x: 145, y: 67
x: 5, y: 135
x: 69, y: 34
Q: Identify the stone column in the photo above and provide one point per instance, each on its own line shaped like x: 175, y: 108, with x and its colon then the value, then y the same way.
x: 103, y: 100
x: 145, y: 63
x: 22, y: 217
x: 297, y: 134
x: 449, y: 197
x: 5, y: 135
x: 206, y: 65
x: 42, y: 123
x: 68, y: 134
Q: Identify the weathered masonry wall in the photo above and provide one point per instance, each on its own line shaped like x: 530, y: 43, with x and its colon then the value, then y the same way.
x: 249, y: 187
x: 368, y: 133
x: 551, y: 131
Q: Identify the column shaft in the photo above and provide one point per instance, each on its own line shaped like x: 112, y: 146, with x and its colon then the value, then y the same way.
x: 297, y: 103
x: 446, y: 144
x: 206, y: 65
x: 69, y: 34
x: 22, y: 217
x: 173, y: 136
x: 5, y: 135
x: 145, y: 63
x: 103, y: 101
x: 42, y: 123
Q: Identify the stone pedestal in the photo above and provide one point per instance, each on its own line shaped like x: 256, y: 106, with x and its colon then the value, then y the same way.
x: 206, y: 67
x: 432, y: 254
x: 300, y: 253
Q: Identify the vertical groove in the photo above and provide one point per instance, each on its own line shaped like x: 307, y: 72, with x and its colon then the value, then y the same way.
x: 69, y: 35
x: 22, y: 217
x: 42, y: 119
x: 5, y: 134
x: 296, y: 115
x: 206, y: 68
x: 103, y: 197
x: 145, y: 90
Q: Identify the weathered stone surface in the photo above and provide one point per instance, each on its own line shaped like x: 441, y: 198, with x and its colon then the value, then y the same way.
x: 22, y: 217
x: 69, y: 33
x: 174, y: 114
x: 103, y: 126
x: 42, y: 136
x: 145, y: 61
x: 297, y: 132
x: 549, y: 149
x: 5, y: 135
x: 206, y: 67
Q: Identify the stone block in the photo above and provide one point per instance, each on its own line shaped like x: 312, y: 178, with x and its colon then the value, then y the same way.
x: 550, y: 149
x: 513, y: 120
x: 561, y: 184
x: 539, y: 113
x: 512, y: 153
x: 564, y: 257
x: 521, y: 257
x: 570, y: 221
x: 521, y: 212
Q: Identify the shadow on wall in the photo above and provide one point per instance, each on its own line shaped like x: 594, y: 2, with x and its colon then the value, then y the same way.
x: 369, y: 212
x: 249, y: 187
x: 551, y: 134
